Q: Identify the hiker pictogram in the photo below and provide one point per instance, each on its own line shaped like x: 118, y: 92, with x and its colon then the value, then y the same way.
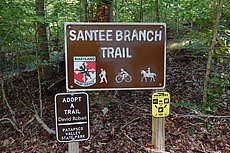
x: 102, y: 76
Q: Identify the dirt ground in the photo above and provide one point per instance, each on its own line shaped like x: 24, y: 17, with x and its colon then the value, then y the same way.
x: 126, y: 126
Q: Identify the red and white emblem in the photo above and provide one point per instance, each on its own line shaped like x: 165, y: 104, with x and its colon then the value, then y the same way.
x: 84, y: 70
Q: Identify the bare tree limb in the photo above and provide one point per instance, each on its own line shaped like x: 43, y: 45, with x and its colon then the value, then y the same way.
x: 31, y: 120
x: 26, y: 106
x: 143, y: 147
x: 203, y: 115
x: 146, y: 110
x: 133, y: 120
x: 194, y: 116
x: 43, y: 124
x: 7, y: 103
x: 13, y: 124
x: 58, y: 81
x: 30, y: 97
x: 40, y: 92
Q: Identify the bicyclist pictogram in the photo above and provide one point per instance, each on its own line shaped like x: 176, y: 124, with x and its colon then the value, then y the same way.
x: 123, y: 76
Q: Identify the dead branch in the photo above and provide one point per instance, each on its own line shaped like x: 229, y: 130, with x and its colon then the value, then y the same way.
x: 31, y: 120
x: 7, y: 103
x: 30, y: 97
x: 133, y: 120
x: 13, y: 124
x: 40, y: 92
x: 202, y: 115
x: 143, y: 147
x: 43, y: 124
x: 146, y: 110
x: 198, y: 114
x: 25, y: 106
x: 58, y: 81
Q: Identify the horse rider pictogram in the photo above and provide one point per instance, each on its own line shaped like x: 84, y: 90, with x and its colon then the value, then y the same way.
x: 148, y: 74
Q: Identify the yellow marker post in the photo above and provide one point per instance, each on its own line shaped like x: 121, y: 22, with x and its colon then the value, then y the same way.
x: 160, y: 104
x: 160, y: 109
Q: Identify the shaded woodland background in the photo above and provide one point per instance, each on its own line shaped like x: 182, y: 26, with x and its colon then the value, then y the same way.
x: 32, y: 71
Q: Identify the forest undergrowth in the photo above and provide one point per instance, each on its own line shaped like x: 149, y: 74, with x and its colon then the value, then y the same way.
x: 126, y: 125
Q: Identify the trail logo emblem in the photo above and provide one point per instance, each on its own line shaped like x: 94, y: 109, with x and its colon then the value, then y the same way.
x: 84, y: 70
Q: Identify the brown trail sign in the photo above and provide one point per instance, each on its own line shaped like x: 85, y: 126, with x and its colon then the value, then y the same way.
x: 115, y: 56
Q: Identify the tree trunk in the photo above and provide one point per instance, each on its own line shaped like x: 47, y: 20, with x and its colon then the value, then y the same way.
x: 218, y: 4
x: 111, y: 17
x: 2, y: 63
x: 141, y: 12
x: 104, y: 11
x: 42, y: 41
x: 41, y: 30
x: 157, y: 11
x: 84, y: 17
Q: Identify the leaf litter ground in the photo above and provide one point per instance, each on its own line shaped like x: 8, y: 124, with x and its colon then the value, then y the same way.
x: 120, y: 121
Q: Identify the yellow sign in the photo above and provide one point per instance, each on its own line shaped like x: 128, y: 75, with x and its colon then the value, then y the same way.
x: 160, y: 104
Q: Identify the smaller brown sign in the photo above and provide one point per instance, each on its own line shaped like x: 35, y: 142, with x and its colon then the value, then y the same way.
x: 72, y: 117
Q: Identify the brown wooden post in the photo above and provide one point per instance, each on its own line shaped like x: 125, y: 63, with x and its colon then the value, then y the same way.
x: 158, y: 134
x: 73, y: 147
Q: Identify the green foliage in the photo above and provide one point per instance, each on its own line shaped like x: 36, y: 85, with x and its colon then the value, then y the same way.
x: 53, y: 61
x: 191, y: 130
x: 196, y: 45
x: 208, y: 123
x: 198, y: 108
x: 56, y: 57
x: 18, y: 31
x: 220, y: 78
x: 204, y: 108
x: 188, y: 105
x: 190, y: 18
x: 219, y: 85
x: 17, y: 18
x: 134, y: 11
x: 25, y: 59
x: 191, y: 44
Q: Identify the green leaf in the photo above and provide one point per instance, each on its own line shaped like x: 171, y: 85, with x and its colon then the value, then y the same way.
x: 221, y: 60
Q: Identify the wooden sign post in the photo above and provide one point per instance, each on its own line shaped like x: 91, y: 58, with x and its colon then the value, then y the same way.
x: 160, y: 109
x: 158, y: 134
x: 73, y: 147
